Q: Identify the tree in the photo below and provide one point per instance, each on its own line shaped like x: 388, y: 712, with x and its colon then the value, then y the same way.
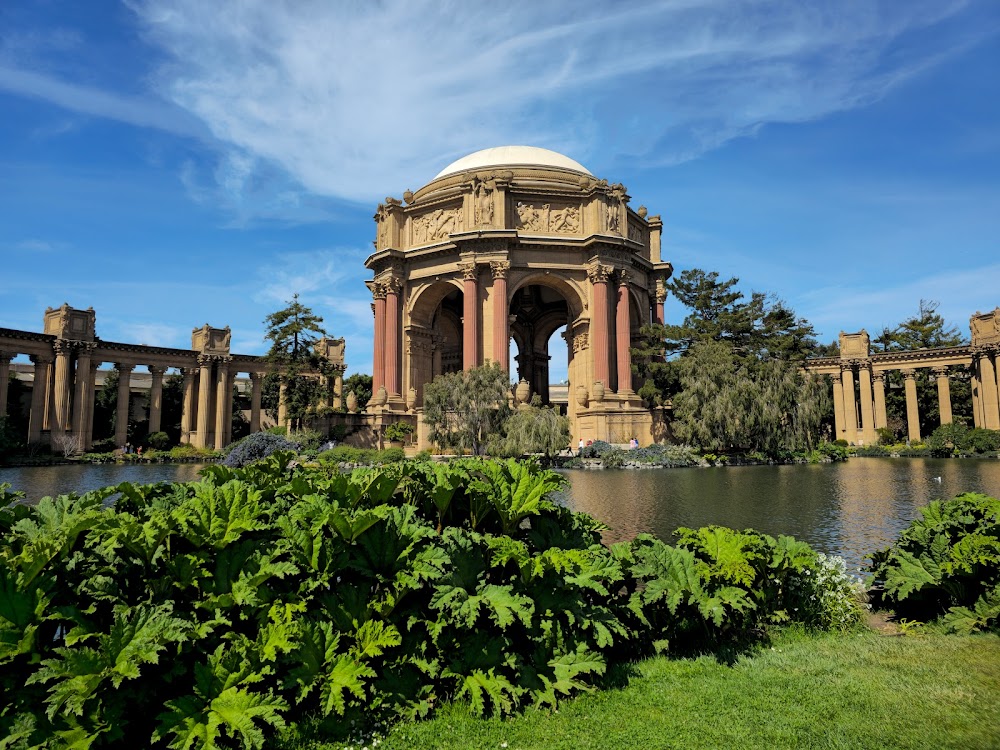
x: 532, y: 430
x: 761, y: 327
x: 293, y: 333
x: 729, y: 402
x: 464, y: 408
x: 361, y: 385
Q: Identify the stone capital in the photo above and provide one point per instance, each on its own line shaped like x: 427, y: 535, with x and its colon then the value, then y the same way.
x: 41, y: 359
x: 123, y: 367
x: 836, y: 377
x: 189, y: 372
x: 598, y: 273
x: 379, y: 290
x: 908, y: 373
x: 940, y: 371
x: 469, y: 269
x: 624, y: 277
x: 500, y: 268
x: 62, y: 347
x: 5, y: 357
x: 156, y: 369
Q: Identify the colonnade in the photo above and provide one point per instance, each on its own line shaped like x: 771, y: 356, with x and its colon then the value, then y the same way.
x: 66, y: 359
x: 860, y: 380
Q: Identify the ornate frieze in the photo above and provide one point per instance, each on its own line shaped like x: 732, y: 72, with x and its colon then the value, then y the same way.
x: 546, y: 218
x: 635, y: 233
x: 436, y: 225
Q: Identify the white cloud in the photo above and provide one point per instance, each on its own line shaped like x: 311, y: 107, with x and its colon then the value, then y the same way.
x: 152, y: 334
x: 356, y: 99
x: 91, y: 100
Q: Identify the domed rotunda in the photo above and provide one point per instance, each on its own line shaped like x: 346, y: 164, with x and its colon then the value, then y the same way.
x: 511, y: 244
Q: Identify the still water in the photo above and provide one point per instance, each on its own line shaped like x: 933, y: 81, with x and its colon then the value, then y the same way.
x: 847, y: 509
x: 37, y: 482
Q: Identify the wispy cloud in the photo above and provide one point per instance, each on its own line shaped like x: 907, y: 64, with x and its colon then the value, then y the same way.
x: 152, y: 334
x: 350, y: 99
x: 98, y: 102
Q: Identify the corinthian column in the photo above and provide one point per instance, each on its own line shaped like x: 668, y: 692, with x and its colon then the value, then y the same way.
x: 256, y: 386
x: 39, y: 393
x: 988, y: 386
x: 122, y: 407
x: 84, y: 394
x: 850, y: 406
x: 156, y: 397
x: 223, y: 405
x: 61, y: 397
x: 623, y: 335
x: 392, y: 341
x: 881, y: 419
x: 912, y: 410
x: 660, y: 297
x: 470, y: 316
x: 501, y: 311
x: 378, y: 363
x: 189, y: 405
x: 867, y: 404
x: 944, y: 394
x: 838, y: 408
x: 204, y: 400
x: 598, y: 275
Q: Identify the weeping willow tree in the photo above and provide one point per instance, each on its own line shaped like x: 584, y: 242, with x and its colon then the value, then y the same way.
x: 463, y: 409
x: 728, y: 402
x: 532, y: 430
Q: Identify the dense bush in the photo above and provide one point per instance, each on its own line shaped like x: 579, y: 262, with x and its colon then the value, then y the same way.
x: 159, y: 441
x: 957, y: 439
x: 218, y: 612
x: 254, y: 447
x: 348, y: 454
x: 596, y: 449
x: 946, y: 564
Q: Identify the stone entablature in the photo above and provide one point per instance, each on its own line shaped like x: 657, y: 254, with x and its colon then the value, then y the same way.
x: 67, y: 356
x: 481, y: 256
x: 859, y: 380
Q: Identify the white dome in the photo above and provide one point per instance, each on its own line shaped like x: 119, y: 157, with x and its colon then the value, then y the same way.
x: 509, y: 156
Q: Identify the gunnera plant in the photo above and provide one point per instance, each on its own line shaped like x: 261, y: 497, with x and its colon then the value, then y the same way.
x: 255, y: 447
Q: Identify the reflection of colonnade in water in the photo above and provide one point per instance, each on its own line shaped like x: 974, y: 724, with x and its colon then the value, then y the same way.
x: 64, y: 378
x: 860, y: 380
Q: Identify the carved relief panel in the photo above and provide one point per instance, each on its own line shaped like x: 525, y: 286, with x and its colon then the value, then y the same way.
x: 547, y: 218
x: 436, y: 225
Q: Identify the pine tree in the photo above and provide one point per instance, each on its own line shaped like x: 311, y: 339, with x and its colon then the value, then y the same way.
x: 293, y: 333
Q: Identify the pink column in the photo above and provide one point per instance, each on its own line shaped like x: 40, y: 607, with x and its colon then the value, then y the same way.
x: 378, y: 377
x: 660, y: 296
x: 623, y: 335
x: 5, y: 358
x: 470, y: 319
x: 392, y: 342
x: 598, y: 275
x: 501, y: 325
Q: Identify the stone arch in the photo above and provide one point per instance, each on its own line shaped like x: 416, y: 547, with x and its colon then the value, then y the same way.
x: 569, y: 290
x: 427, y: 298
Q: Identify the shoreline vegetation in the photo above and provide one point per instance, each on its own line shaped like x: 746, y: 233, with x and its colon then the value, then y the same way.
x: 295, y: 605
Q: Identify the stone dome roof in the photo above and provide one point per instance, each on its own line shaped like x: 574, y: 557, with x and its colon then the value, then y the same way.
x: 509, y: 156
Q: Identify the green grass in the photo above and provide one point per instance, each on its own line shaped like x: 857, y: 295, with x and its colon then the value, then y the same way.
x: 807, y: 691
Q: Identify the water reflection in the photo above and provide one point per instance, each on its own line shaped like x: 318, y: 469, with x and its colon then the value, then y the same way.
x: 847, y: 509
x: 49, y: 481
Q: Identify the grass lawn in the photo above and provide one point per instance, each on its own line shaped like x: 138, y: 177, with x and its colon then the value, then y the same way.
x: 809, y: 691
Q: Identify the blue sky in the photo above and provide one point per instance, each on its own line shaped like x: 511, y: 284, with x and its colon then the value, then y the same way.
x: 179, y: 162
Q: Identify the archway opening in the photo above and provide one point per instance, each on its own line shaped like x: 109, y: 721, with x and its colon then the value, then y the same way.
x: 538, y: 315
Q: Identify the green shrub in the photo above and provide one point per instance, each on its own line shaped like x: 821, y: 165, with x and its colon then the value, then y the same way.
x: 871, y: 451
x: 422, y: 456
x: 398, y: 431
x: 981, y: 440
x: 946, y: 564
x: 159, y: 441
x: 216, y: 613
x: 841, y: 442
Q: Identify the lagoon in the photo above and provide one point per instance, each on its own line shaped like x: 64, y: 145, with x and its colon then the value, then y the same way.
x: 849, y: 508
